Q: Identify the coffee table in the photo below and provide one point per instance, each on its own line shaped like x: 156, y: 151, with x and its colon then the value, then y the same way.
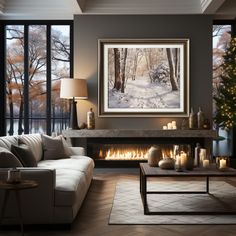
x: 146, y: 172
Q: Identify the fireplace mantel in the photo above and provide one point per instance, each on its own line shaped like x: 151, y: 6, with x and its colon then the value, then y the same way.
x: 138, y: 133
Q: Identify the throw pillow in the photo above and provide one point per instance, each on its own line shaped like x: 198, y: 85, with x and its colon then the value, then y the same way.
x: 34, y: 142
x: 53, y: 148
x: 67, y: 149
x: 24, y: 154
x: 8, y: 159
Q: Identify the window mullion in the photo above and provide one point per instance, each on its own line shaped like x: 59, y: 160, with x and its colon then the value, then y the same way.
x: 49, y: 79
x: 2, y: 81
x: 26, y: 80
x: 71, y: 51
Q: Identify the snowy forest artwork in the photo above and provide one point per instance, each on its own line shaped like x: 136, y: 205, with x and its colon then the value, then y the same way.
x: 140, y: 78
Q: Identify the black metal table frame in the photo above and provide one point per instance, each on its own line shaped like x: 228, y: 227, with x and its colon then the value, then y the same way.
x: 144, y: 192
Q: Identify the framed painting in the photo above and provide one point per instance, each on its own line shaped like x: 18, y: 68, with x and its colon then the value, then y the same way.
x: 143, y: 77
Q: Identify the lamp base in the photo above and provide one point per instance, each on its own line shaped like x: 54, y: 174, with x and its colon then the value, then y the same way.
x: 73, y: 115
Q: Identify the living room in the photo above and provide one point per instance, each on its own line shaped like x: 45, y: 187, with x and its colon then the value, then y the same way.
x: 82, y: 40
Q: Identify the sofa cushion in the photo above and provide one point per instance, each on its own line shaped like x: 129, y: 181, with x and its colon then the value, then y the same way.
x: 8, y: 159
x: 7, y: 141
x: 68, y: 182
x: 79, y: 163
x: 24, y: 154
x: 71, y: 175
x: 34, y: 141
x: 53, y: 148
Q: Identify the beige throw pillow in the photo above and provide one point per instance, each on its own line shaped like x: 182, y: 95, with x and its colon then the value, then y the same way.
x: 67, y: 149
x: 53, y: 148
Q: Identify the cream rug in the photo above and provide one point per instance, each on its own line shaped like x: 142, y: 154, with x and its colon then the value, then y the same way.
x: 128, y: 209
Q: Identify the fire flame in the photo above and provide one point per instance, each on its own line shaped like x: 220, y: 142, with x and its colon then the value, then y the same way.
x: 129, y: 154
x: 167, y: 153
x: 124, y: 154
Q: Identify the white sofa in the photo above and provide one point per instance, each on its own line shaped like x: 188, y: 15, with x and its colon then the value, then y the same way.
x: 63, y: 185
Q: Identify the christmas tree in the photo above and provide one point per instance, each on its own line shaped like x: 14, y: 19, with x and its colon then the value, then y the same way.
x: 226, y: 100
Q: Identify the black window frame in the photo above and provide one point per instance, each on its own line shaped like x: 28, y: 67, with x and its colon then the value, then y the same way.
x: 26, y: 24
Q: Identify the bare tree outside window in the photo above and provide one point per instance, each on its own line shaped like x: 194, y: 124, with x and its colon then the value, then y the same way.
x: 60, y: 69
x: 14, y: 78
x: 37, y: 78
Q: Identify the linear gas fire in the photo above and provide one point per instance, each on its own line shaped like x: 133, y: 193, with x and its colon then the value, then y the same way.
x: 127, y: 148
x: 123, y: 152
x: 126, y: 152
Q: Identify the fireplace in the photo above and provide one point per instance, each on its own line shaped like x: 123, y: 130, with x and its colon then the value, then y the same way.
x: 126, y: 152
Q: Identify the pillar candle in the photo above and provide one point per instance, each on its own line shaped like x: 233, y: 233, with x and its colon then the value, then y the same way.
x: 205, y: 163
x: 202, y: 155
x: 222, y: 164
x: 178, y: 160
x: 169, y: 125
x: 183, y: 157
x: 164, y: 127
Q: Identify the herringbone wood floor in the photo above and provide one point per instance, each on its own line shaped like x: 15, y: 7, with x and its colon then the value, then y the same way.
x: 92, y: 219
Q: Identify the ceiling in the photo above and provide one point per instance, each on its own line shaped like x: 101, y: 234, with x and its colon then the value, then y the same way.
x: 65, y: 9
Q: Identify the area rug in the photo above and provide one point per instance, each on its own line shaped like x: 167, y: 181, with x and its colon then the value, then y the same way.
x: 127, y: 206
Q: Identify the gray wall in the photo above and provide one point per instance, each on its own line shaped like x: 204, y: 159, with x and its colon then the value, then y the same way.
x: 88, y: 29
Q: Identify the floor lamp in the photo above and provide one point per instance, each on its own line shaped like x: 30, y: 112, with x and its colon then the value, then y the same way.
x: 73, y: 89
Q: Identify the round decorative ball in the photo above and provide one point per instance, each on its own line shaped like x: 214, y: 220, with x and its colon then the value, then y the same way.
x: 154, y: 156
x: 167, y: 163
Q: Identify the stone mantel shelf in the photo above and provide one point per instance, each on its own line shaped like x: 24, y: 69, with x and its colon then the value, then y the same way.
x: 138, y: 133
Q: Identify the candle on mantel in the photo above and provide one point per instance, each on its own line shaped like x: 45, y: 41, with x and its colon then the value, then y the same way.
x: 169, y: 125
x: 222, y: 164
x: 164, y: 127
x: 205, y: 163
x: 173, y: 122
x: 174, y: 127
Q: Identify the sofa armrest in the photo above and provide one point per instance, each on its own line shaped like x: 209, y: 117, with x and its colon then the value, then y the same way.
x: 80, y: 151
x: 38, y: 203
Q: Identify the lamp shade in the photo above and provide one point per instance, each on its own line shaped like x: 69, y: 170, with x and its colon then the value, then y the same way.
x: 74, y: 88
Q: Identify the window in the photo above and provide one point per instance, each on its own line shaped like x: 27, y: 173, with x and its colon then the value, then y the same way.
x: 221, y: 36
x: 37, y: 56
